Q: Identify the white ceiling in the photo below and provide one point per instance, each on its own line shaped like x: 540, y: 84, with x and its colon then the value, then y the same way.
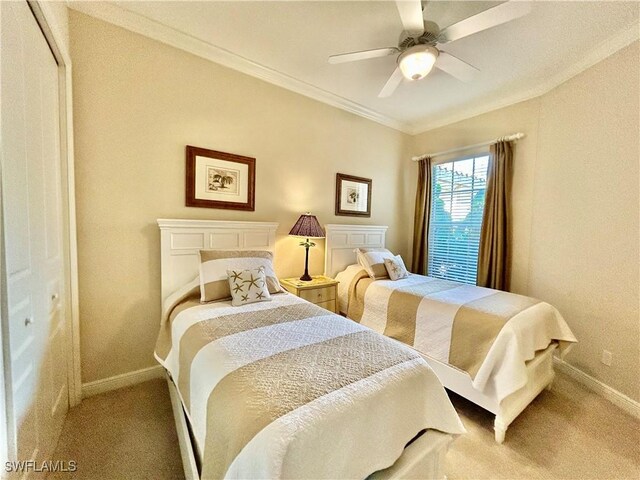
x: 295, y: 38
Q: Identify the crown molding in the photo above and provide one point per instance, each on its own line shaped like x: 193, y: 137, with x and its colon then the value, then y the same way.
x: 157, y: 31
x: 603, y: 50
x: 147, y: 27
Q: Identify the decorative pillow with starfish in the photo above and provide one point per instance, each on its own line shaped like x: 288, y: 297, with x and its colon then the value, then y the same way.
x: 396, y: 268
x: 248, y: 286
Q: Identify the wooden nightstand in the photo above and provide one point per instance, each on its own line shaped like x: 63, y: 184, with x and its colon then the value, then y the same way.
x: 321, y: 290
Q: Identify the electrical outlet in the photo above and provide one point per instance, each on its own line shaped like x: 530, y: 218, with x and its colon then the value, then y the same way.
x: 607, y: 357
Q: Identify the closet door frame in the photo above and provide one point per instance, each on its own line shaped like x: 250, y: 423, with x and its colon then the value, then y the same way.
x: 54, y: 35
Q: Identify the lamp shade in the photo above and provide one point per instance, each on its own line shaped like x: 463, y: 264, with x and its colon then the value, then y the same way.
x: 307, y: 226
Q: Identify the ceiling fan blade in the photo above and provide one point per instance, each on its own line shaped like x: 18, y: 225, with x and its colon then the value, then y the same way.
x: 456, y: 67
x: 411, y: 16
x: 394, y: 80
x: 363, y: 55
x: 503, y: 13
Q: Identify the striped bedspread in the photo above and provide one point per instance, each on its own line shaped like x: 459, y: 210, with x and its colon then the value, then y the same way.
x: 287, y: 389
x: 487, y: 333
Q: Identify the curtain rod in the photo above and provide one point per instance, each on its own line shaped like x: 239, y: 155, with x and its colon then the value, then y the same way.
x: 506, y: 138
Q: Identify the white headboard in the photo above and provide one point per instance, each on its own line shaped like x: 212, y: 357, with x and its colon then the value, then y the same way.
x: 180, y: 241
x: 341, y: 240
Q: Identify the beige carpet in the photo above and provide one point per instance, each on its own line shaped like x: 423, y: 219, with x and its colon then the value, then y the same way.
x: 124, y: 434
x: 567, y: 433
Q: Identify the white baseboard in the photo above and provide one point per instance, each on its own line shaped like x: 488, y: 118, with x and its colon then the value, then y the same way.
x: 619, y: 399
x: 121, y: 381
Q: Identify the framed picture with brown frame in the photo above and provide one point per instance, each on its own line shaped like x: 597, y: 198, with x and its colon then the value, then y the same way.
x: 220, y: 180
x: 353, y: 195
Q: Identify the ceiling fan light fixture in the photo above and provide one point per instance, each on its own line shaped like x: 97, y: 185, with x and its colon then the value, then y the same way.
x: 416, y: 62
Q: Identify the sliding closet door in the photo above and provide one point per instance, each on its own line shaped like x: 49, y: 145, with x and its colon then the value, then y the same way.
x: 34, y: 334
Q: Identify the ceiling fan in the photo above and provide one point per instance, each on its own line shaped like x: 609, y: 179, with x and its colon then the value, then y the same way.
x: 419, y: 46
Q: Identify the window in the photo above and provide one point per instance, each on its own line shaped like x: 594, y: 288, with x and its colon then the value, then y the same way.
x: 457, y: 202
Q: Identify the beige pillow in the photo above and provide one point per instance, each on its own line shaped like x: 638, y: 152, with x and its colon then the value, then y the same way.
x: 373, y: 262
x: 214, y: 284
x: 248, y: 286
x: 396, y: 268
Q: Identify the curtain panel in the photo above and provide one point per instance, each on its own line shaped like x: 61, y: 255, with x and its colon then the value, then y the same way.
x: 421, y: 218
x: 494, y: 254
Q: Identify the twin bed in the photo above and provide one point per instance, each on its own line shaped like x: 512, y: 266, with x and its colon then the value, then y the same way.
x: 493, y: 348
x: 286, y: 389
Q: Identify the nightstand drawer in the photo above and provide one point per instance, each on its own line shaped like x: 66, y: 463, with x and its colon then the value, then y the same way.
x: 317, y: 295
x: 330, y: 305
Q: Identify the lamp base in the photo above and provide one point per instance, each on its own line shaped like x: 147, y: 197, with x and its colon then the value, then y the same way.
x: 306, y: 277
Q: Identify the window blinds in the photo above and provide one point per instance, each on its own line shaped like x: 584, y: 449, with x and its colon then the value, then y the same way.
x: 457, y: 203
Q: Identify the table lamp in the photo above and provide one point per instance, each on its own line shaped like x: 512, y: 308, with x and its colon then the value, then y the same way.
x: 307, y: 226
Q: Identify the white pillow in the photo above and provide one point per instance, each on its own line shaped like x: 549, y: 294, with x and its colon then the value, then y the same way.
x: 214, y: 264
x: 248, y: 286
x: 396, y: 268
x: 373, y: 262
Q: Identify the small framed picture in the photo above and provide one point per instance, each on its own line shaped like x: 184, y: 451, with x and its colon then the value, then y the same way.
x: 353, y: 195
x: 220, y: 180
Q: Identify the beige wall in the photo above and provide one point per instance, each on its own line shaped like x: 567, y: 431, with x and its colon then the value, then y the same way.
x: 137, y: 103
x: 576, y: 207
x: 585, y: 251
